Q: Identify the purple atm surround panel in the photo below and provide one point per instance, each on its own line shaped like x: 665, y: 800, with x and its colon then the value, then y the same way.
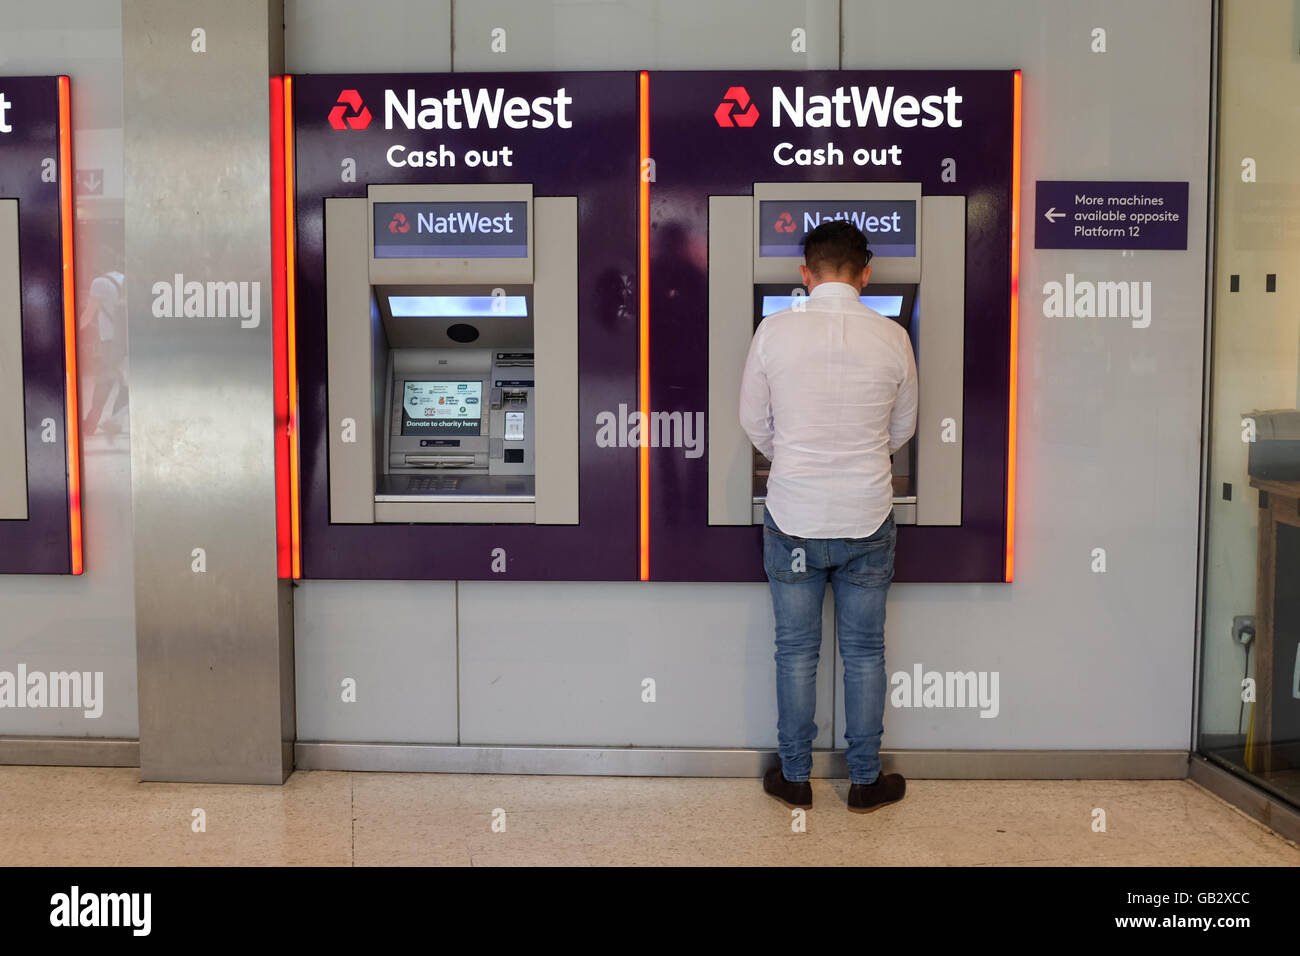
x: 697, y: 157
x: 29, y: 172
x: 595, y: 160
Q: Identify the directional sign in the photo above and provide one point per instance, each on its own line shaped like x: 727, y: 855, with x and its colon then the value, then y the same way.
x: 90, y: 182
x: 1110, y: 215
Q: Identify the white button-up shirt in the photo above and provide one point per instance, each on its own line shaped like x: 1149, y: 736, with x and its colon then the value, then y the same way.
x: 829, y: 393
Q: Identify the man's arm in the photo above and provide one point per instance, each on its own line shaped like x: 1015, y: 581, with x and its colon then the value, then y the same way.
x: 902, y: 422
x: 756, y: 401
x: 91, y: 309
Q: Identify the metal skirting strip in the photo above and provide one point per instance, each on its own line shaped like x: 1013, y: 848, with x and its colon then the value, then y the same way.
x: 1246, y: 797
x: 69, y: 751
x: 688, y: 762
x: 653, y: 761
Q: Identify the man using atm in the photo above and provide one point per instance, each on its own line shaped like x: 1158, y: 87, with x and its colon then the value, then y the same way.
x: 829, y: 393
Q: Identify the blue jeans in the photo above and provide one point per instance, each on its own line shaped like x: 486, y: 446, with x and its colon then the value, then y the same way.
x: 859, y: 571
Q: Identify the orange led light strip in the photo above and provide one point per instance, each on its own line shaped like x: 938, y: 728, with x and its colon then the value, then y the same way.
x: 291, y: 316
x: 1015, y: 327
x: 643, y: 398
x: 73, y: 423
x: 279, y: 335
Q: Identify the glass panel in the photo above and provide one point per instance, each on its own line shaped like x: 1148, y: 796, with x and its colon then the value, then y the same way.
x: 62, y: 623
x: 1250, y: 678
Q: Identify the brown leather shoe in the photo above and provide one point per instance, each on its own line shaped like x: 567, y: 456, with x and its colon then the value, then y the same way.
x: 865, y: 797
x: 789, y: 792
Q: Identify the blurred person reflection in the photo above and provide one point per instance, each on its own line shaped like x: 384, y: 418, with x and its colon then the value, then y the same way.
x: 679, y: 293
x: 101, y: 337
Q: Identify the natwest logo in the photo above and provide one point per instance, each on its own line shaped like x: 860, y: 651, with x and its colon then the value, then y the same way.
x: 785, y: 223
x: 398, y: 224
x: 349, y: 112
x: 736, y: 109
x: 5, y: 125
x: 855, y: 106
x: 472, y: 109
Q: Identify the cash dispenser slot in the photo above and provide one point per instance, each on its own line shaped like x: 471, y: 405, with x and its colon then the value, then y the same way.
x: 440, y: 461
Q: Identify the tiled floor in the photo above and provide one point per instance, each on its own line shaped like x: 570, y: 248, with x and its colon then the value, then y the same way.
x: 78, y: 816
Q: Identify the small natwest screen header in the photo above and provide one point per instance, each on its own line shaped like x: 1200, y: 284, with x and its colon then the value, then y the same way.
x: 451, y: 230
x: 889, y: 224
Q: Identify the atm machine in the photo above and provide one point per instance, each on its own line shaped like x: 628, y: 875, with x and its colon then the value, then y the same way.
x: 452, y: 355
x: 40, y: 443
x: 917, y: 279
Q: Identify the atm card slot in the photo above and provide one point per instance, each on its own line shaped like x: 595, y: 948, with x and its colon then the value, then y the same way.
x: 440, y: 461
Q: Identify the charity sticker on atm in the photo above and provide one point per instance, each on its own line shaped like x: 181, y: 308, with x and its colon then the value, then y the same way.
x: 442, y: 408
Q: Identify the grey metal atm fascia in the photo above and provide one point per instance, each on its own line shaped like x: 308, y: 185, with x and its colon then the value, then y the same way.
x: 350, y: 390
x: 352, y: 378
x: 555, y: 356
x: 941, y: 357
x: 462, y: 271
x: 555, y: 369
x: 731, y: 327
x: 13, y: 431
x: 786, y: 268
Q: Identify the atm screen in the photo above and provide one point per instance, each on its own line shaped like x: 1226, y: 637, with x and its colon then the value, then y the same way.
x: 888, y: 305
x: 442, y: 408
x: 895, y: 301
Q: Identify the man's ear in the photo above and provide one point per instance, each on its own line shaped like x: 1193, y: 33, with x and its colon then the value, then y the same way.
x: 866, y: 276
x: 806, y: 275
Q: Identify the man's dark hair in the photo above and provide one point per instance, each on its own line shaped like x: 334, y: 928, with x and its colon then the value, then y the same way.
x: 835, y: 247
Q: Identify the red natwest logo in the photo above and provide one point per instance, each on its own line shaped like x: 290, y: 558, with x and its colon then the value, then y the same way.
x: 736, y: 109
x: 350, y: 112
x: 785, y: 223
x: 398, y: 224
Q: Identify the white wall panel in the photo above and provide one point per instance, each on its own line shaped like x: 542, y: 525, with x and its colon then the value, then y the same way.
x: 1109, y: 414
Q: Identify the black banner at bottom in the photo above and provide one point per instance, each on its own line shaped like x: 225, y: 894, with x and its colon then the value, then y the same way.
x: 924, y: 906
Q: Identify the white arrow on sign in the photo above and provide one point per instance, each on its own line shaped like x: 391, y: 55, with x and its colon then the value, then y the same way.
x: 1052, y: 215
x: 90, y: 182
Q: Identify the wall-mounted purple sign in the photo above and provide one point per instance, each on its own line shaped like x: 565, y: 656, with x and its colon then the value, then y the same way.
x: 35, y: 159
x: 567, y: 134
x: 953, y: 132
x: 1110, y: 215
